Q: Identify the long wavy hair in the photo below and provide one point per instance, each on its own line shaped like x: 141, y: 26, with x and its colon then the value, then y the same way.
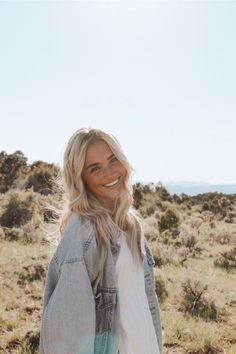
x: 78, y: 199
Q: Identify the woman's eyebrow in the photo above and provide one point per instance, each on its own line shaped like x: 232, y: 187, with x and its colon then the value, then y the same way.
x: 97, y: 163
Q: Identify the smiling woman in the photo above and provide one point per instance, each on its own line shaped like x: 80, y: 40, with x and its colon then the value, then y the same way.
x: 92, y: 303
x: 105, y: 178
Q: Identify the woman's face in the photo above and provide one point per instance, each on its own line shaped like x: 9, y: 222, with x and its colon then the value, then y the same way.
x: 103, y: 173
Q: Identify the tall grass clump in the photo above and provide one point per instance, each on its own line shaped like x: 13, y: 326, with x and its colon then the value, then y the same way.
x: 194, y: 302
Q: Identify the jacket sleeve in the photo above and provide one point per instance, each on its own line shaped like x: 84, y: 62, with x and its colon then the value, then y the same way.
x: 68, y: 321
x: 51, y: 282
x: 158, y: 313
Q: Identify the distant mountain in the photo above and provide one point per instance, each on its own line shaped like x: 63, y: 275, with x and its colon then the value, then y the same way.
x: 194, y: 188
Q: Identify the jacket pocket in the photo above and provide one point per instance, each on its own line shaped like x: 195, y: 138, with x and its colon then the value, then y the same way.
x: 105, y: 302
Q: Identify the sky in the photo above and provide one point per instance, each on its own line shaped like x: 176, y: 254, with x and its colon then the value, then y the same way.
x: 160, y: 76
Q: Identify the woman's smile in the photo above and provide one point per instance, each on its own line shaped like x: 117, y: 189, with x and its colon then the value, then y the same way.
x: 112, y: 184
x: 101, y: 165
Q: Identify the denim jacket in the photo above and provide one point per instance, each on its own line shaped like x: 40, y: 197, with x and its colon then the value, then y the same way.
x: 80, y: 316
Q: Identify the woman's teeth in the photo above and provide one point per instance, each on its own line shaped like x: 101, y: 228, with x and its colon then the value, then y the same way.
x: 112, y: 183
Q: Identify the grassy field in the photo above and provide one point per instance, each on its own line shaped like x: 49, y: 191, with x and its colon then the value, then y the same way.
x: 184, y: 332
x: 196, y: 282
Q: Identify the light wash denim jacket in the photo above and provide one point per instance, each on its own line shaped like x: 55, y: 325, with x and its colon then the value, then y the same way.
x: 81, y: 316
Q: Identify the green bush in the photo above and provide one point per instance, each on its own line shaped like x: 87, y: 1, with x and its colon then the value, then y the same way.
x: 218, y: 205
x: 168, y: 220
x: 137, y: 195
x: 161, y: 290
x: 18, y: 209
x: 162, y: 193
x: 42, y: 177
x: 13, y: 168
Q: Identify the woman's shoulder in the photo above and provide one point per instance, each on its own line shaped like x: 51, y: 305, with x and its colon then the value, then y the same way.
x: 75, y: 236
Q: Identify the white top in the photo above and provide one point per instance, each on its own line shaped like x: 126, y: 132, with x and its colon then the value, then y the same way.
x: 136, y: 330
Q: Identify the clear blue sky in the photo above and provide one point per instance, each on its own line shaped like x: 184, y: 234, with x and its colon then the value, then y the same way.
x: 160, y: 76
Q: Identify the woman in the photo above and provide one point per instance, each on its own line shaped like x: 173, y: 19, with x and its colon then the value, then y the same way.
x: 100, y: 295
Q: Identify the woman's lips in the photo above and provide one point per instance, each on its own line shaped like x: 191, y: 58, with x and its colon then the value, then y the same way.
x: 114, y: 183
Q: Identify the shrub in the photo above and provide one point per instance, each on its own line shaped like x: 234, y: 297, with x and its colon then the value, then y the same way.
x: 205, y: 206
x: 13, y: 168
x: 12, y: 234
x: 19, y: 209
x: 224, y: 237
x: 2, y: 233
x: 231, y: 217
x: 194, y: 302
x: 217, y: 205
x: 49, y: 215
x: 168, y: 220
x: 162, y: 192
x: 31, y: 342
x: 195, y: 222
x: 226, y: 259
x: 212, y: 224
x: 190, y: 241
x: 32, y: 272
x: 162, y: 255
x: 137, y: 195
x: 31, y: 233
x: 189, y: 238
x: 166, y: 237
x: 175, y: 233
x: 150, y: 210
x: 151, y: 236
x: 26, y: 234
x: 161, y: 290
x: 183, y: 254
x: 42, y: 177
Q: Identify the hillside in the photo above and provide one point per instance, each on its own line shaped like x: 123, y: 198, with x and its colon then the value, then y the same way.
x: 193, y: 240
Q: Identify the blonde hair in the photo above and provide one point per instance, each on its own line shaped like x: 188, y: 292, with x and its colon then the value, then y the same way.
x: 80, y: 200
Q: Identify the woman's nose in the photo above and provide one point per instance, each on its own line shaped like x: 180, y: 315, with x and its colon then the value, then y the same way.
x: 109, y: 172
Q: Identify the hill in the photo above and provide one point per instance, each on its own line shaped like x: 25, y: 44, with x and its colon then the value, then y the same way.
x: 193, y: 240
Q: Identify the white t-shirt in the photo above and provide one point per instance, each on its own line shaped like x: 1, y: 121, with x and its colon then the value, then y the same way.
x: 136, y: 330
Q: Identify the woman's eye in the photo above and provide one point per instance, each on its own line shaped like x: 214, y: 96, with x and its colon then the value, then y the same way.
x: 97, y: 167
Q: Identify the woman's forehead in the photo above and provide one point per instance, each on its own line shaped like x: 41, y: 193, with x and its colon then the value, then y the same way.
x: 96, y: 150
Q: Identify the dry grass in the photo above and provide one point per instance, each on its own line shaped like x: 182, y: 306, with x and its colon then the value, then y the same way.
x: 23, y: 268
x: 184, y: 333
x: 20, y: 299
